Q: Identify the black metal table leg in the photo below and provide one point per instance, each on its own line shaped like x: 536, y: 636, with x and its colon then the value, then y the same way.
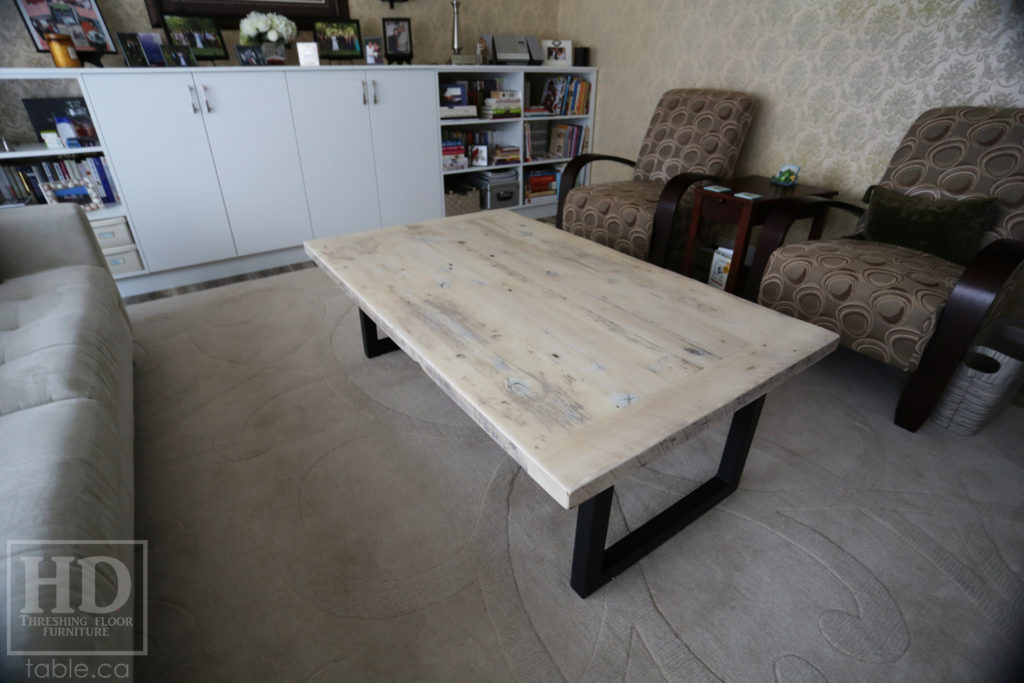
x: 372, y: 346
x: 593, y: 565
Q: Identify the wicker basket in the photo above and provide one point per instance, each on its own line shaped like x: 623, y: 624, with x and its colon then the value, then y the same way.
x: 990, y: 374
x: 462, y: 200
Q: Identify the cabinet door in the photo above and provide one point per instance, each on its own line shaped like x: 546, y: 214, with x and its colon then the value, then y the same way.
x: 332, y: 126
x: 407, y: 145
x: 156, y: 143
x: 249, y: 124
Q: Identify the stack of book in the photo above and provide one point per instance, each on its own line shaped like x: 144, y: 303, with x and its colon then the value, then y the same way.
x: 20, y: 184
x: 540, y: 182
x: 502, y: 104
x: 504, y: 154
x: 568, y: 140
x: 566, y: 95
x: 453, y: 155
x: 535, y: 138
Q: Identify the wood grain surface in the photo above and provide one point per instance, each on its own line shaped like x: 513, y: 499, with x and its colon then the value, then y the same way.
x: 578, y: 360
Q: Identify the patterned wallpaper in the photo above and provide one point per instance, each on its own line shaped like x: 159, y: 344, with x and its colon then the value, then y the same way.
x: 838, y: 82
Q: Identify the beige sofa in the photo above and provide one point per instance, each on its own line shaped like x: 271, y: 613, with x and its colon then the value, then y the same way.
x: 66, y: 417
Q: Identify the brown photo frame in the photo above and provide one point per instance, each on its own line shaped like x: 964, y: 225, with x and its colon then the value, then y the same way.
x: 227, y: 14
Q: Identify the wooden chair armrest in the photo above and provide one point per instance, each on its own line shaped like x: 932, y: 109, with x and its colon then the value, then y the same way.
x: 665, y: 212
x: 572, y: 170
x: 776, y: 227
x: 957, y: 326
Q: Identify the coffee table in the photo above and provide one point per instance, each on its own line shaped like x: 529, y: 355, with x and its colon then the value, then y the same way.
x: 578, y: 360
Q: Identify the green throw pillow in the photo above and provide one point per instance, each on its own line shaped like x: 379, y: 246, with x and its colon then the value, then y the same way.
x: 947, y: 228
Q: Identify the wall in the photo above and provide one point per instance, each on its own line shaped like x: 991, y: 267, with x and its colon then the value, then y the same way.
x: 838, y: 81
x: 431, y: 25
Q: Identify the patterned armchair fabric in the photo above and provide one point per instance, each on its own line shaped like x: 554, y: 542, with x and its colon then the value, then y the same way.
x: 691, y: 131
x: 884, y: 300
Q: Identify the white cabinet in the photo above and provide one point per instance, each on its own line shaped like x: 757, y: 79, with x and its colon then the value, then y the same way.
x: 209, y: 161
x: 406, y: 144
x: 157, y: 144
x: 249, y: 125
x: 369, y: 147
x: 332, y: 127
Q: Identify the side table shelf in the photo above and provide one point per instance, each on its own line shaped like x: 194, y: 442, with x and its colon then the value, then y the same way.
x: 745, y: 213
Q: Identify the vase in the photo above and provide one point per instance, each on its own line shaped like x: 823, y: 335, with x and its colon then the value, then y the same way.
x: 274, y: 53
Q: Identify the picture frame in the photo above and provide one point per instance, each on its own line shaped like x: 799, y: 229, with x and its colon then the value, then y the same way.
x: 131, y: 49
x: 200, y: 34
x: 76, y: 18
x: 250, y: 55
x: 373, y: 46
x: 177, y: 56
x: 227, y: 13
x: 152, y: 44
x: 78, y: 192
x: 338, y: 39
x: 397, y: 39
x: 556, y: 52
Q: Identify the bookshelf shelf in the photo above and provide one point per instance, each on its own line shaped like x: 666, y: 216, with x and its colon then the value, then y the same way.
x: 37, y: 150
x: 477, y: 169
x: 574, y: 89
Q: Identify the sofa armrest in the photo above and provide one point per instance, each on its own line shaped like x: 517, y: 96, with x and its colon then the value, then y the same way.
x: 37, y: 238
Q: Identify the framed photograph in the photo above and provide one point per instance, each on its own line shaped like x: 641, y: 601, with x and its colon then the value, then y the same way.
x: 309, y: 54
x: 374, y: 50
x: 226, y: 13
x: 398, y: 40
x: 132, y: 50
x: 72, y: 192
x: 250, y: 55
x: 557, y: 52
x: 152, y: 44
x: 177, y: 56
x: 338, y: 39
x: 200, y: 34
x: 76, y: 18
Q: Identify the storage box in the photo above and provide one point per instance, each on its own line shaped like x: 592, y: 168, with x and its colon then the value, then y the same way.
x: 112, y: 232
x: 496, y: 195
x: 462, y: 200
x: 720, y: 262
x: 123, y: 260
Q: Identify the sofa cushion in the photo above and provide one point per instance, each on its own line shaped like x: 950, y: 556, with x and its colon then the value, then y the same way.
x: 883, y: 300
x: 617, y: 215
x: 62, y: 335
x: 67, y: 475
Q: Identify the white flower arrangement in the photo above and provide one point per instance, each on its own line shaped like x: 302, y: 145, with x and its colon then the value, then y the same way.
x: 257, y: 28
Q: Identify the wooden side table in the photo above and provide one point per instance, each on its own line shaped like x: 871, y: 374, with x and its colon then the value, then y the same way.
x: 745, y: 213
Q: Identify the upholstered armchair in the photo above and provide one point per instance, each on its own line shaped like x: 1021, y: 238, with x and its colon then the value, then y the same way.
x: 694, y: 135
x: 937, y: 253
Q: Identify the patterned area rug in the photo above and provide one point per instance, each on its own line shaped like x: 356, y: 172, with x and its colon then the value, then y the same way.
x: 316, y: 516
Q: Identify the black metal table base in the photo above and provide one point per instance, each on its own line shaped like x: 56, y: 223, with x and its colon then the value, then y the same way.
x: 593, y: 565
x: 372, y: 346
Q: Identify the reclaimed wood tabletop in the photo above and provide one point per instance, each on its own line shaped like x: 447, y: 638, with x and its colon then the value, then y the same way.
x: 578, y: 360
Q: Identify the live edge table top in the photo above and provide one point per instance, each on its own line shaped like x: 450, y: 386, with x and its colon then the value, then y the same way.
x: 578, y: 360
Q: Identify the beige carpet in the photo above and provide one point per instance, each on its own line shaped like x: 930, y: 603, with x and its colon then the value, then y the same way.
x: 316, y: 516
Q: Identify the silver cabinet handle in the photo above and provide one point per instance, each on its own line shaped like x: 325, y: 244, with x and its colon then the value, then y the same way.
x: 364, y: 93
x: 206, y: 100
x: 375, y: 100
x: 193, y: 99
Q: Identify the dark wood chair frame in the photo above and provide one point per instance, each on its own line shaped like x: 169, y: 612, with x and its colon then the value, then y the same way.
x: 959, y: 321
x: 664, y: 213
